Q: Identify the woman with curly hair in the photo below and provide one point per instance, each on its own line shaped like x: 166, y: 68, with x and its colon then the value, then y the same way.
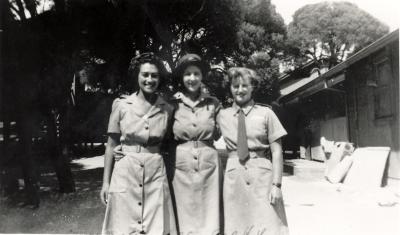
x: 135, y: 188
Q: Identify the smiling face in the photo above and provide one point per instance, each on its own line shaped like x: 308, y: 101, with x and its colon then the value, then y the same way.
x: 148, y: 78
x: 242, y: 89
x: 192, y: 77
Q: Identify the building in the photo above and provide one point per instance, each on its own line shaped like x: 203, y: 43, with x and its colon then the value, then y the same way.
x: 356, y: 101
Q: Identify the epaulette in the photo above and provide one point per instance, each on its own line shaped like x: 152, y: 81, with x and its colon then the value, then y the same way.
x: 265, y: 105
x: 123, y: 96
x: 177, y: 96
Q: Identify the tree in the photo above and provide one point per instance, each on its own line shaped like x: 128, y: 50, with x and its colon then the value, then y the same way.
x: 262, y: 29
x: 331, y: 31
x: 261, y: 38
x: 235, y: 32
x: 25, y: 99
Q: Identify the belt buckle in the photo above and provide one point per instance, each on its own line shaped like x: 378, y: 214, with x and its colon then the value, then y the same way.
x: 138, y: 148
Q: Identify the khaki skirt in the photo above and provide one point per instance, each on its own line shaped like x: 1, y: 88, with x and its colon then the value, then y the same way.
x: 197, y: 188
x: 139, y: 199
x: 246, y: 198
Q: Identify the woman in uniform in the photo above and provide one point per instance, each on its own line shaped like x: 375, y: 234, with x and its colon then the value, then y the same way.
x: 196, y: 176
x: 252, y: 184
x: 135, y: 188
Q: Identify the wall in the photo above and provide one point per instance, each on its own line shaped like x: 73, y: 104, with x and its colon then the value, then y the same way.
x: 373, y: 103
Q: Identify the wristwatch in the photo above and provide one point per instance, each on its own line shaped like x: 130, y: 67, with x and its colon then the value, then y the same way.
x: 278, y: 185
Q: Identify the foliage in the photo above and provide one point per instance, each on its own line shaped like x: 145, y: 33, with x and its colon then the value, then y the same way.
x: 260, y: 44
x: 331, y: 31
x: 268, y: 68
x: 221, y: 31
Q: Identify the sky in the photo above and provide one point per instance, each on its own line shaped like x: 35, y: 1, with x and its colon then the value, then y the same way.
x: 387, y: 11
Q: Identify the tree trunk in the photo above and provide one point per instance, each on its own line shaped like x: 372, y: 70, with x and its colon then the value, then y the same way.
x: 59, y: 160
x: 29, y: 171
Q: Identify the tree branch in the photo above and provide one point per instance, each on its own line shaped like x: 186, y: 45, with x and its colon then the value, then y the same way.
x: 21, y: 11
x: 198, y: 11
x: 31, y: 6
x: 13, y: 8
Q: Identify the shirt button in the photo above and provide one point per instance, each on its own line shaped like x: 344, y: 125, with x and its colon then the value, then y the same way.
x: 248, y: 183
x: 146, y: 127
x: 196, y: 170
x: 139, y: 222
x: 140, y: 185
x: 193, y: 111
x: 194, y: 124
x: 141, y: 165
x: 142, y: 232
x: 139, y: 203
x: 195, y: 158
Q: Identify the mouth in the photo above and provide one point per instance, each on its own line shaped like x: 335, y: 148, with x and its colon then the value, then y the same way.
x: 149, y: 85
x: 192, y: 83
x: 240, y: 95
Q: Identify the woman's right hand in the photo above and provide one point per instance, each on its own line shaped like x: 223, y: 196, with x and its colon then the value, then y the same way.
x: 117, y: 153
x: 104, y: 193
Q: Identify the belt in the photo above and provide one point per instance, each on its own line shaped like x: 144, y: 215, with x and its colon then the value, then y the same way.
x: 141, y: 149
x: 196, y: 143
x: 252, y: 153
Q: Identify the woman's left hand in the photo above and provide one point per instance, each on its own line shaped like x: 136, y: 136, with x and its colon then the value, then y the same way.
x: 118, y: 154
x: 275, y: 195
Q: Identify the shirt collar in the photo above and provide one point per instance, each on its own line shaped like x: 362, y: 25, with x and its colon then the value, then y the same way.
x: 203, y: 96
x: 246, y: 109
x: 134, y: 97
x: 157, y: 106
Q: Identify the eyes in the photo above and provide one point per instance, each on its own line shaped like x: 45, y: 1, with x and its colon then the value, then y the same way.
x: 150, y: 75
x: 243, y: 86
x: 195, y: 73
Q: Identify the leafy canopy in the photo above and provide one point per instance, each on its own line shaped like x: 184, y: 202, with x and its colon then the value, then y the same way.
x: 331, y: 31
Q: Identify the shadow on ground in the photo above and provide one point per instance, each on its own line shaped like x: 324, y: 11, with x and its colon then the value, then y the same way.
x: 79, y: 212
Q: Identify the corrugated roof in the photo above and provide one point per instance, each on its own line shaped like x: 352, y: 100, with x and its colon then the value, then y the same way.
x: 366, y: 51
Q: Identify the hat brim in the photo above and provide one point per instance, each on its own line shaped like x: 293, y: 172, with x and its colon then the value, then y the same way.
x: 178, y: 71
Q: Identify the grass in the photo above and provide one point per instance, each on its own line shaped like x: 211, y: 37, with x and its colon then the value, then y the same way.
x: 79, y: 212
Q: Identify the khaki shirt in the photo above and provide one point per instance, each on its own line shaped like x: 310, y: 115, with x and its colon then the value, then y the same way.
x: 262, y: 126
x: 136, y: 125
x: 196, y: 121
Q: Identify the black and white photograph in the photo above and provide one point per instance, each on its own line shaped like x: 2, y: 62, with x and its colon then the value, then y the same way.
x: 200, y: 117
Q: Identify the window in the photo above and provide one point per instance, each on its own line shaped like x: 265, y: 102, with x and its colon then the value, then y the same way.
x: 383, y: 104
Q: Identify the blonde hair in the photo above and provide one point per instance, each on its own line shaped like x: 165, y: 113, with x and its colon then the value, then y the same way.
x: 242, y: 72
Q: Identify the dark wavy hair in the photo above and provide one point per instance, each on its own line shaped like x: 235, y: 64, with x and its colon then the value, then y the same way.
x: 147, y: 57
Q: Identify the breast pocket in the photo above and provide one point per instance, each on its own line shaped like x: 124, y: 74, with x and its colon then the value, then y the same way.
x: 158, y: 125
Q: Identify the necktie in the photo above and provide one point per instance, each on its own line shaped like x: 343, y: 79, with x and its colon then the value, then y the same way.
x: 242, y: 147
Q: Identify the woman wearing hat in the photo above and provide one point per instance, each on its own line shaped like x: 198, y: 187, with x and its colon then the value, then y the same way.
x: 196, y: 176
x: 252, y: 184
x: 135, y: 188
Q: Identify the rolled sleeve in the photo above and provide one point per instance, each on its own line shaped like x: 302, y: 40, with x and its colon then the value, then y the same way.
x: 115, y: 117
x: 275, y: 130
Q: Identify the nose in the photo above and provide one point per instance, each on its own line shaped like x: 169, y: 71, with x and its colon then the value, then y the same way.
x: 149, y: 77
x: 192, y: 76
x: 240, y: 88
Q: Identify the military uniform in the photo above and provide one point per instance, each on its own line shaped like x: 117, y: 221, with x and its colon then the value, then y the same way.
x: 247, y: 186
x: 139, y: 199
x: 197, y: 172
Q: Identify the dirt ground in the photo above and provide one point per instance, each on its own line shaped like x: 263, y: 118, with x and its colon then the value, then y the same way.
x: 313, y: 207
